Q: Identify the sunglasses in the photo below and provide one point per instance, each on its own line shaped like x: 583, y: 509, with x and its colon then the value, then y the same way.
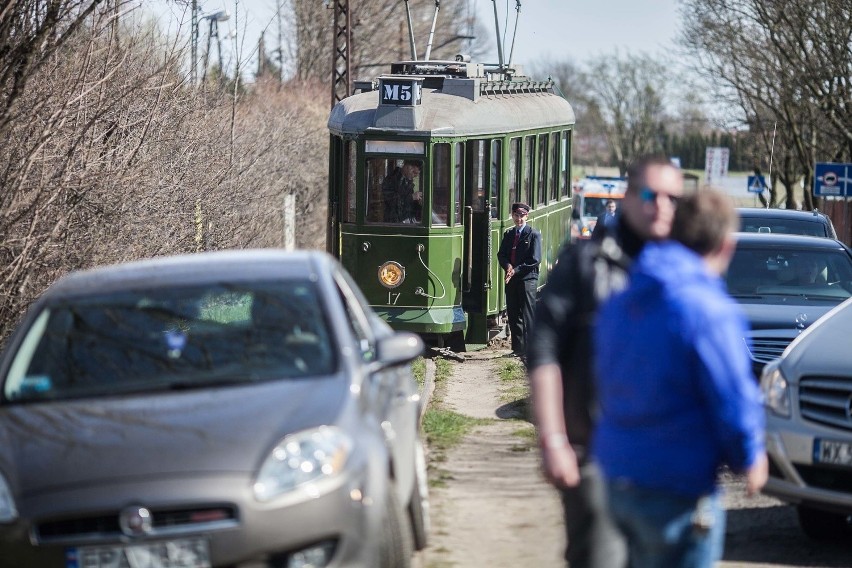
x: 648, y: 195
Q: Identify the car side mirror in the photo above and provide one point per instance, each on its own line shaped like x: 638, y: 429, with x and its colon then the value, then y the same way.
x: 397, y: 349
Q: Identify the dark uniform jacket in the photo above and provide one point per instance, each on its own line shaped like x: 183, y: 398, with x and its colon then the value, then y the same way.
x: 527, y: 254
x: 586, y: 274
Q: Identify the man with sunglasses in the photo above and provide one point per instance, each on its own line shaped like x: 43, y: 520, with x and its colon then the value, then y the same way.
x: 560, y: 357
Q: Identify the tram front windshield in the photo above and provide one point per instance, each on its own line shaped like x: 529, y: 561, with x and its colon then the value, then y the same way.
x: 394, y: 191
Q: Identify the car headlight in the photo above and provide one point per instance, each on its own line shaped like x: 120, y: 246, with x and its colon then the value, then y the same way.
x: 776, y: 391
x: 8, y: 512
x: 302, y: 458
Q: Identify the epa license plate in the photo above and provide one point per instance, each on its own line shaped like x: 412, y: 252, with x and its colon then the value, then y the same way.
x: 832, y: 452
x: 181, y: 553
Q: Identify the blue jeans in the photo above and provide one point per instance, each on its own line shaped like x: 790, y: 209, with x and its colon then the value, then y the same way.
x: 662, y: 529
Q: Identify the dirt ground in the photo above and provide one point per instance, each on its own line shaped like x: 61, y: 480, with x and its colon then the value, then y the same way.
x: 494, y: 509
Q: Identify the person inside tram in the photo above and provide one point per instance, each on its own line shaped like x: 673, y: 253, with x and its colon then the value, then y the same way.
x: 402, y: 200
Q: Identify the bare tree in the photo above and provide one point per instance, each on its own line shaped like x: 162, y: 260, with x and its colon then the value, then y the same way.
x: 785, y: 63
x: 111, y: 155
x: 627, y: 92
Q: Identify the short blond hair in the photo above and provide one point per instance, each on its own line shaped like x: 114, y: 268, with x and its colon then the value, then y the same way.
x: 703, y: 220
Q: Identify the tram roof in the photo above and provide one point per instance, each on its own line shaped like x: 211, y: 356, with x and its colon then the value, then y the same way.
x: 455, y: 109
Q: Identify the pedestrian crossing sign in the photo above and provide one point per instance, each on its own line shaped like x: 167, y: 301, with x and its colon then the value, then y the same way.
x: 756, y: 184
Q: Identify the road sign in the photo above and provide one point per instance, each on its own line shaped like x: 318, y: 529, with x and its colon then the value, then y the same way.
x: 756, y: 184
x: 832, y: 180
x: 715, y: 165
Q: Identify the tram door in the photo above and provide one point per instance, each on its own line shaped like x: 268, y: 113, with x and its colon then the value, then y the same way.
x: 477, y: 207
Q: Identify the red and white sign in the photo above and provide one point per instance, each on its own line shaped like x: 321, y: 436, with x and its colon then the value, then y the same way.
x: 715, y: 165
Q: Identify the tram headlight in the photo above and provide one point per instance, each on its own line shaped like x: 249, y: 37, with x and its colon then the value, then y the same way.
x: 391, y: 274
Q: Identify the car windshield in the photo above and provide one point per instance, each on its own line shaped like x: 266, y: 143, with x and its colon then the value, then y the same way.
x: 595, y: 206
x: 787, y: 226
x: 817, y: 274
x: 172, y: 338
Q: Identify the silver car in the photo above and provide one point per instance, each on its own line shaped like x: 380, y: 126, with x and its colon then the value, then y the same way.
x: 230, y: 409
x: 808, y: 397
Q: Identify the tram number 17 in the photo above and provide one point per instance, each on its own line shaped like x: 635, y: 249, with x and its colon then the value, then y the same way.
x: 393, y: 298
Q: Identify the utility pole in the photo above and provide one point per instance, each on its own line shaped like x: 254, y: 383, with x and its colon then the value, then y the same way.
x: 341, y: 70
x: 193, y: 72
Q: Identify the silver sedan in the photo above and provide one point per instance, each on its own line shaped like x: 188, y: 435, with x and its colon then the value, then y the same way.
x: 230, y: 409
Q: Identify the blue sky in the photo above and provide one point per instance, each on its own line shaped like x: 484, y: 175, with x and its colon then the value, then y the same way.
x: 548, y: 28
x: 581, y: 29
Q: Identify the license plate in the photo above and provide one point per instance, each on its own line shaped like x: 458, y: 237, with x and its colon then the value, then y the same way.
x: 181, y: 553
x: 832, y: 452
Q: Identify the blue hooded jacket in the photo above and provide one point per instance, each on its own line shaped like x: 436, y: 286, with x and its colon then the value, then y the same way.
x: 677, y: 395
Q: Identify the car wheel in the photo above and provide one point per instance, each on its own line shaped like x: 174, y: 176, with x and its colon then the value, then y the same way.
x: 418, y: 505
x: 396, y: 547
x: 823, y: 525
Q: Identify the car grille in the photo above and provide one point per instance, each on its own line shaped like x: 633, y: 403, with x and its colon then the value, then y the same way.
x: 832, y: 479
x: 827, y: 400
x: 164, y: 523
x: 765, y: 349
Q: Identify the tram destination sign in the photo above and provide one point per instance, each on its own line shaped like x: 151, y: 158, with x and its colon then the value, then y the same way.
x: 400, y: 92
x: 832, y: 180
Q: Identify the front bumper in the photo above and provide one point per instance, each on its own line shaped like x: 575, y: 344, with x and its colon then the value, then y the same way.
x: 346, y: 511
x: 795, y: 477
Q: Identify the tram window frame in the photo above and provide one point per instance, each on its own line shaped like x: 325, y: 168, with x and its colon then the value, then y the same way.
x: 496, y: 156
x: 527, y: 166
x: 514, y: 172
x: 541, y: 171
x: 565, y: 174
x: 441, y: 183
x: 350, y: 162
x: 459, y: 179
x: 478, y: 156
x: 374, y: 202
x: 554, y: 159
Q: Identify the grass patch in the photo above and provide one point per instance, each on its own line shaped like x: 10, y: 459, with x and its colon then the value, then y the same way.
x: 513, y: 381
x: 446, y: 428
x: 418, y: 367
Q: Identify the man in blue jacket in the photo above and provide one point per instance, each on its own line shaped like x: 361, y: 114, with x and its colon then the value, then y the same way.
x: 677, y: 397
x: 519, y: 255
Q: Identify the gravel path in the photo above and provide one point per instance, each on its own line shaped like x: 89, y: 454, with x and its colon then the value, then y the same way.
x: 495, y: 510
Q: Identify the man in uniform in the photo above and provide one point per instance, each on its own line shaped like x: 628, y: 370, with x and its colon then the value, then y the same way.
x: 519, y: 255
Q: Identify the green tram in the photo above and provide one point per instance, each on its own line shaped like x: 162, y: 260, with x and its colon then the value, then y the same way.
x: 466, y: 141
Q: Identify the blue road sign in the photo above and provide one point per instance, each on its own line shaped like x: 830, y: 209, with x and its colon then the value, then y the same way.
x: 756, y: 184
x: 832, y: 180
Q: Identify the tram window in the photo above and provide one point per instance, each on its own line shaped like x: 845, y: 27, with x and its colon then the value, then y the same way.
x: 554, y: 160
x: 496, y: 171
x: 477, y: 174
x: 529, y: 152
x: 514, y: 160
x: 566, y: 166
x: 349, y: 182
x: 457, y: 219
x: 394, y: 190
x: 541, y: 198
x: 441, y: 176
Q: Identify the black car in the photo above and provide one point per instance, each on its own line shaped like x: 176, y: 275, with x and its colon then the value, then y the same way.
x: 786, y: 221
x: 785, y: 283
